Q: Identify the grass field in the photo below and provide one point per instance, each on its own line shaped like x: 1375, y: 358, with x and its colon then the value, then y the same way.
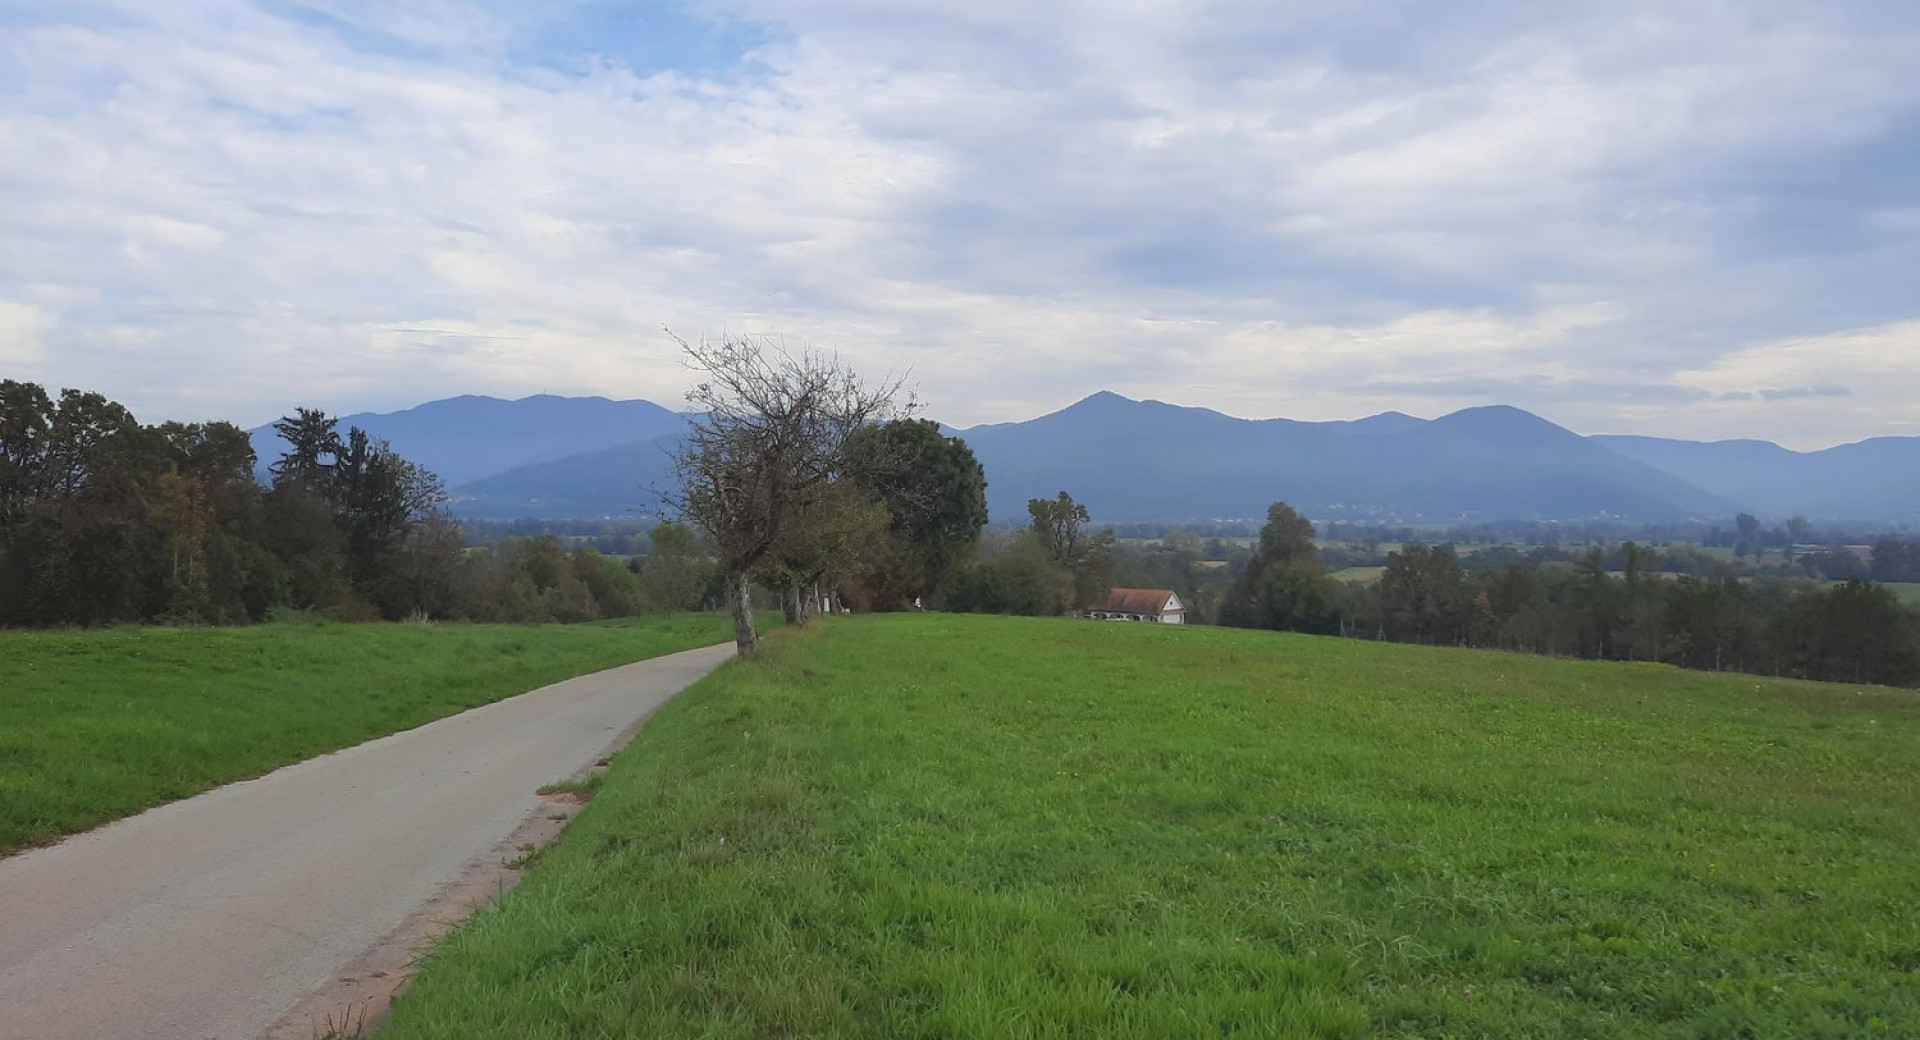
x: 99, y: 725
x: 1358, y: 575
x: 939, y: 826
x: 1908, y: 591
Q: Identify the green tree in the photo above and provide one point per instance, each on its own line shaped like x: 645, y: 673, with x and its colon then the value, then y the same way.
x: 935, y: 494
x: 1060, y: 530
x: 676, y: 570
x: 380, y: 499
x: 1710, y: 624
x: 1284, y: 585
x: 1856, y: 631
x: 313, y: 450
x: 26, y: 430
x: 1016, y: 575
x: 380, y: 508
x: 1746, y: 528
x: 1424, y: 597
x: 843, y: 536
x: 75, y: 545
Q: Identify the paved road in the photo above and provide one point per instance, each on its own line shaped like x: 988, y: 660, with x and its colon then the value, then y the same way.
x: 206, y: 918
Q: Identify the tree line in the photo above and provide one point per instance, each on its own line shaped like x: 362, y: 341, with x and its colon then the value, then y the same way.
x: 800, y: 478
x: 105, y: 520
x: 1855, y: 630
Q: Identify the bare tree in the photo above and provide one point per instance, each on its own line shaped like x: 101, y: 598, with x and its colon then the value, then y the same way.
x: 761, y: 461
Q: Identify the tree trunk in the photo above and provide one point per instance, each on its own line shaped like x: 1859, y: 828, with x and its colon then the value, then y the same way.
x: 792, y: 606
x: 740, y: 595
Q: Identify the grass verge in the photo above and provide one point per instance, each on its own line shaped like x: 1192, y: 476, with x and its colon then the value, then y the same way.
x: 937, y: 826
x: 102, y: 724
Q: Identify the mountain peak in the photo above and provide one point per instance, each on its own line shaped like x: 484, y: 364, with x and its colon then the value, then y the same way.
x: 1500, y: 420
x: 1101, y: 399
x: 1100, y: 404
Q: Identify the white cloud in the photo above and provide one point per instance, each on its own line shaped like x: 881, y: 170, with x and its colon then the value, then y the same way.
x: 23, y: 327
x: 1314, y: 213
x: 1821, y: 390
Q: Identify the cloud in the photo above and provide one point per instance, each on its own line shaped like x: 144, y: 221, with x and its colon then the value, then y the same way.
x: 23, y: 328
x: 1591, y: 209
x: 1819, y: 390
x: 1799, y: 392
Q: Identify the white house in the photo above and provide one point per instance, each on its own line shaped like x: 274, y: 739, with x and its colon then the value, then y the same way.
x: 1159, y: 605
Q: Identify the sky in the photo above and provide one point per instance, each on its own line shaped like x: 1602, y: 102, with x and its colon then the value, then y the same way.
x: 1688, y: 218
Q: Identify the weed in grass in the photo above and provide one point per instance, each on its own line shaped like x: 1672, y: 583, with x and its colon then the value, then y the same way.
x: 349, y: 1024
x: 529, y: 855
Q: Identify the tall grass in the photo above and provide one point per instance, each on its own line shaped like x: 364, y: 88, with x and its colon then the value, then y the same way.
x: 101, y: 724
x: 937, y: 826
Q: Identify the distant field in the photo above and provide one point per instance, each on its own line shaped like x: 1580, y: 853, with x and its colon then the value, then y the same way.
x: 943, y: 826
x: 1908, y: 591
x: 1359, y: 575
x: 99, y: 725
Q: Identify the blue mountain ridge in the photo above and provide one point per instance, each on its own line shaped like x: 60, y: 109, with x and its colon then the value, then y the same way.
x: 1145, y: 460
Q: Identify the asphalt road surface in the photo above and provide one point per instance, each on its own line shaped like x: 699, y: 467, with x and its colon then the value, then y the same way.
x: 207, y: 918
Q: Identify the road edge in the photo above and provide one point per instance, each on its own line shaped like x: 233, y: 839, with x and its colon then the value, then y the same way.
x: 358, y: 1000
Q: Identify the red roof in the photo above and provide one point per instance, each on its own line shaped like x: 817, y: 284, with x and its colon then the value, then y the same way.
x: 1135, y: 601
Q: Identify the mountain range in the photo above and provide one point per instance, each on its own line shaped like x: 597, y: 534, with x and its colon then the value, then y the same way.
x: 1128, y: 460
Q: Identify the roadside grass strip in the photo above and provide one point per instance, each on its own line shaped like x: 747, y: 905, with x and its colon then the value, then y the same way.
x: 942, y: 826
x: 97, y: 725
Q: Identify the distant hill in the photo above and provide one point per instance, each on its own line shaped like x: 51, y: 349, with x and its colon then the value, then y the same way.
x: 1877, y: 479
x: 467, y: 438
x: 622, y: 481
x: 1150, y: 461
x: 1145, y: 460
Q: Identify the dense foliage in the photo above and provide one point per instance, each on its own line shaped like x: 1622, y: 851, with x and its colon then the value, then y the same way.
x: 104, y: 520
x: 1054, y: 565
x: 934, y: 494
x: 1284, y: 586
x: 1612, y: 604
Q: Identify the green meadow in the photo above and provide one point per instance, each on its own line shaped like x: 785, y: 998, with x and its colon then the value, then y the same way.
x: 1907, y: 591
x: 96, y: 725
x: 935, y: 826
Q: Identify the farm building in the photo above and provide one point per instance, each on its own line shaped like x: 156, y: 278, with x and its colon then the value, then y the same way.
x: 1160, y: 605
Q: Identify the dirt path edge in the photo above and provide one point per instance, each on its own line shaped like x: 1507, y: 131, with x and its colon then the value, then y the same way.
x: 358, y: 1001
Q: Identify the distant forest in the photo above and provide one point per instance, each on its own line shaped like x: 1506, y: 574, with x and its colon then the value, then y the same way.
x: 1816, y: 615
x: 104, y: 520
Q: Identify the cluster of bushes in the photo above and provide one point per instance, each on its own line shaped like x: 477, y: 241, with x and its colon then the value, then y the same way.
x: 535, y: 580
x: 1054, y: 565
x: 104, y: 520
